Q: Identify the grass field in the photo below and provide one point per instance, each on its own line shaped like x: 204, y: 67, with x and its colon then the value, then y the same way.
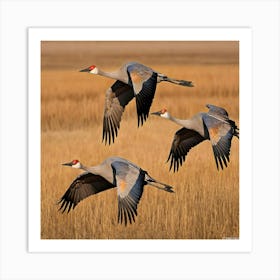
x: 205, y: 204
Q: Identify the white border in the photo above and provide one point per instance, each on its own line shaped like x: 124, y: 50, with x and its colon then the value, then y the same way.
x: 263, y: 260
x: 243, y: 35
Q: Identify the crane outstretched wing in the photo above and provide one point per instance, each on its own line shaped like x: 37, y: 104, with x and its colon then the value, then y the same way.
x: 217, y: 111
x: 130, y: 182
x: 220, y: 134
x: 83, y: 186
x: 144, y: 82
x: 184, y: 140
x: 117, y: 97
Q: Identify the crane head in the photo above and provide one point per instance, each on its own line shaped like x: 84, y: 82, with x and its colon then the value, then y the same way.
x: 74, y: 163
x: 162, y: 113
x: 91, y: 69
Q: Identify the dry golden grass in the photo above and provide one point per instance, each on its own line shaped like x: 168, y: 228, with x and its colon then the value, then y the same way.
x: 205, y: 204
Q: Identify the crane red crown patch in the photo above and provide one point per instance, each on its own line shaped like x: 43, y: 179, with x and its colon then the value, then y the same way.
x: 91, y: 67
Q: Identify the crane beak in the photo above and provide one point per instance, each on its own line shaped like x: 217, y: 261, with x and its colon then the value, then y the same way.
x: 156, y: 113
x: 67, y: 164
x: 84, y: 70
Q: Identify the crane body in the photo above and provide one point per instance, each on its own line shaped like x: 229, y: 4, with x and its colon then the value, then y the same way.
x: 133, y: 80
x: 128, y: 178
x: 214, y: 125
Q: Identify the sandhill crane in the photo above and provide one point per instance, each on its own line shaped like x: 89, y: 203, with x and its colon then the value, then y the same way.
x: 112, y: 172
x: 133, y: 80
x: 214, y: 126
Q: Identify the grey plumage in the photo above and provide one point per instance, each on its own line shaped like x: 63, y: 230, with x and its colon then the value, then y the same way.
x: 133, y: 80
x: 214, y: 125
x: 128, y: 178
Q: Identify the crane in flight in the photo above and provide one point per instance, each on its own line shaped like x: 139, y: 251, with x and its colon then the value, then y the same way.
x: 132, y: 80
x: 128, y: 178
x: 214, y: 125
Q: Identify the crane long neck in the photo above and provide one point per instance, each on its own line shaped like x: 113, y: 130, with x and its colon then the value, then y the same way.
x: 184, y: 123
x: 101, y: 170
x: 112, y: 75
x: 93, y: 169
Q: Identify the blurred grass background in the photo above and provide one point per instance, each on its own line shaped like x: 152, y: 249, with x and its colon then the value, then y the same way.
x: 206, y: 201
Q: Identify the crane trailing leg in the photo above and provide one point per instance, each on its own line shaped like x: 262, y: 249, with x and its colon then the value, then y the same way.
x: 184, y: 83
x: 159, y: 185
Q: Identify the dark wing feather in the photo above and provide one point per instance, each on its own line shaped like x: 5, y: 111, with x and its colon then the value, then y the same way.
x: 184, y: 140
x: 144, y: 81
x: 144, y: 98
x: 117, y: 97
x: 130, y: 182
x: 144, y: 84
x: 128, y: 204
x: 83, y: 186
x: 220, y: 135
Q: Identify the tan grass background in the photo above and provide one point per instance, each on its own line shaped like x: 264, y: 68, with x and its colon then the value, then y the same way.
x: 205, y: 204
